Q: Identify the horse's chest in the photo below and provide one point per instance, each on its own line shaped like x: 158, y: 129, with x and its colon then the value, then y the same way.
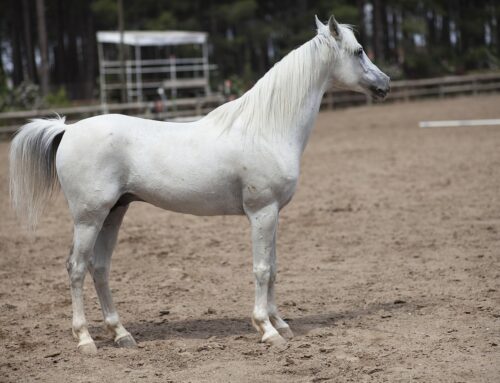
x: 274, y: 182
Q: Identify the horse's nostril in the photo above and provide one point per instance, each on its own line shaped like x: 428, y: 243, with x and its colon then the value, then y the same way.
x: 379, y: 91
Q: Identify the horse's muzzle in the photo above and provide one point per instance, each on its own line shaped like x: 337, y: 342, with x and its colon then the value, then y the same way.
x: 379, y: 93
x: 381, y: 90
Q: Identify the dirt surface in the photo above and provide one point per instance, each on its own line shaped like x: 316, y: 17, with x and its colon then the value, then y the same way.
x: 389, y: 269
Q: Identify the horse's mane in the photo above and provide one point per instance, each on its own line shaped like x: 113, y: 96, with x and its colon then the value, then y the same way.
x: 273, y: 103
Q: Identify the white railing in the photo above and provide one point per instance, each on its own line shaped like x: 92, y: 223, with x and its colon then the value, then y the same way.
x: 400, y: 91
x: 406, y: 90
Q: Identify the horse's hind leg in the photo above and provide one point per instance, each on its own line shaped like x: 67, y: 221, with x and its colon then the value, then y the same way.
x: 278, y: 323
x: 99, y: 267
x: 85, y: 235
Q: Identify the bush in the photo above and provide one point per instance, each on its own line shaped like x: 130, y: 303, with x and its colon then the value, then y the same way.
x: 25, y: 96
x: 59, y: 98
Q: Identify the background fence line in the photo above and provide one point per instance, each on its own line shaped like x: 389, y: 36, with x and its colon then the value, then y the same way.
x: 404, y: 90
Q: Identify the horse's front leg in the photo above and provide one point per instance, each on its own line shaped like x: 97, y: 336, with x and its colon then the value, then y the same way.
x: 278, y: 323
x: 264, y: 224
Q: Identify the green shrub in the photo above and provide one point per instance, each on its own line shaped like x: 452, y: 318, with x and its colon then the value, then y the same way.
x: 59, y: 98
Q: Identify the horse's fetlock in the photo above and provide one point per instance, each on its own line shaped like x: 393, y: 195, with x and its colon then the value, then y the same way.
x: 112, y: 321
x: 259, y: 316
x: 79, y: 325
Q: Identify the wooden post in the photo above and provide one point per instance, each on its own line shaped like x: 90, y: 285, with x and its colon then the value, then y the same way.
x: 474, y: 87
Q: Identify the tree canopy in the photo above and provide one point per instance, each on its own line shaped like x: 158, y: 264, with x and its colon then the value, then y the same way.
x: 408, y: 39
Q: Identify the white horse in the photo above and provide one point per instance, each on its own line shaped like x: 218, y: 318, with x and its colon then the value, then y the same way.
x: 242, y: 158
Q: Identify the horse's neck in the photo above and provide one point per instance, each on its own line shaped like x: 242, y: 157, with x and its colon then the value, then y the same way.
x: 283, y: 105
x: 307, y: 112
x: 304, y: 105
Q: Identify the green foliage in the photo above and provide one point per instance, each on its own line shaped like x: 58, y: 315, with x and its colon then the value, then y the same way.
x: 244, y: 32
x: 57, y: 99
x: 105, y: 11
x: 417, y: 64
x: 348, y: 14
x: 24, y: 96
x: 414, y: 25
x: 480, y: 58
x: 165, y: 21
x: 238, y: 11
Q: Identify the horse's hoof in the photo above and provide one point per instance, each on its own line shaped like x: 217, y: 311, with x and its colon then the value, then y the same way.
x: 126, y: 341
x: 285, y: 332
x: 274, y: 340
x: 88, y: 348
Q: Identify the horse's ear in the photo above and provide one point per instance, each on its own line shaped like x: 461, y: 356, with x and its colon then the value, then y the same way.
x: 334, y: 27
x: 319, y: 24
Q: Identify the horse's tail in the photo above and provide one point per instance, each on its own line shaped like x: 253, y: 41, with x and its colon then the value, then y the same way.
x: 33, y: 175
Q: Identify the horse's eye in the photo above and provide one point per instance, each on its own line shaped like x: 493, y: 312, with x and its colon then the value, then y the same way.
x: 359, y: 52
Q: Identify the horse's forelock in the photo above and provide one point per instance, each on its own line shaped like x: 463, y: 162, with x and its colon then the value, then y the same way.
x: 349, y: 41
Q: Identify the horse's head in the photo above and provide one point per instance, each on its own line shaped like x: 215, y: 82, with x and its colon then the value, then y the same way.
x: 352, y: 69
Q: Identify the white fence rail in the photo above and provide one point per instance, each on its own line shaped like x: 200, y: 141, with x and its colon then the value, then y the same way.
x: 417, y: 89
x: 400, y: 91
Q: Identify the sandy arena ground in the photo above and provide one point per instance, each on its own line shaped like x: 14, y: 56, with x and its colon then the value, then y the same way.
x: 389, y: 269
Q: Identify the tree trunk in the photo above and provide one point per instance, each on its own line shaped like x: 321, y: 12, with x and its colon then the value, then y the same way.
x: 121, y: 54
x: 42, y: 36
x: 59, y: 49
x: 395, y: 34
x: 361, y: 23
x: 445, y: 32
x: 30, y: 57
x: 71, y: 60
x: 89, y: 53
x: 431, y: 27
x: 385, y: 36
x: 378, y: 30
x: 497, y: 11
x: 17, y: 59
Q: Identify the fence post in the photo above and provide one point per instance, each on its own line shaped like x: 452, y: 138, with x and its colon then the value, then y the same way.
x: 330, y: 100
x: 474, y: 86
x: 406, y: 94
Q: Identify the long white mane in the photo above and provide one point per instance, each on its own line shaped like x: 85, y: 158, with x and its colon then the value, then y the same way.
x: 274, y: 102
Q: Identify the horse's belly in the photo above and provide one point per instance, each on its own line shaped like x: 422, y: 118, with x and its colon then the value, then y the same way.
x: 193, y: 202
x: 198, y: 194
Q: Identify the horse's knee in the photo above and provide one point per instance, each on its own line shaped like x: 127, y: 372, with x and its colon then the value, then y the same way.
x: 262, y: 272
